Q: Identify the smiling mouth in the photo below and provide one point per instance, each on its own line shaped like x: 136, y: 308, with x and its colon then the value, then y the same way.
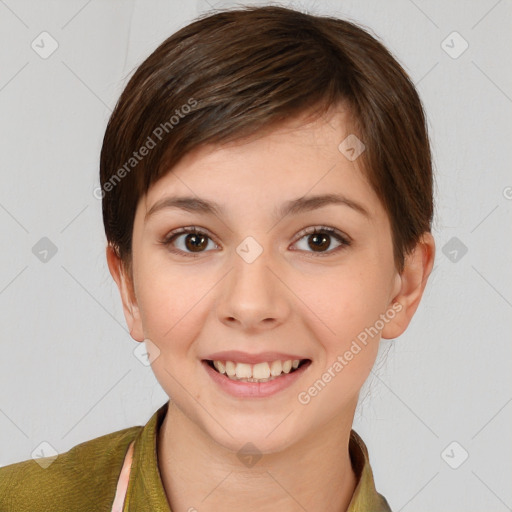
x: 261, y: 372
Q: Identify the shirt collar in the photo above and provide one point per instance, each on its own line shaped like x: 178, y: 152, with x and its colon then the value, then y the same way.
x: 146, y: 491
x: 145, y: 488
x: 365, y: 495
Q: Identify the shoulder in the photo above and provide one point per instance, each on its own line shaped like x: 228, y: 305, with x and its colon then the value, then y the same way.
x: 83, y: 478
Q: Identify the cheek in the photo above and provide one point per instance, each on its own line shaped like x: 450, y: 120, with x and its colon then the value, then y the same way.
x: 348, y: 301
x: 351, y: 342
x: 352, y: 308
x: 167, y: 301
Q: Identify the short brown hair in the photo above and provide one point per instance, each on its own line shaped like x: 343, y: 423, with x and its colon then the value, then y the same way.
x: 231, y: 74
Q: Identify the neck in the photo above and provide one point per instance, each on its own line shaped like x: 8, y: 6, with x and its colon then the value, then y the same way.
x: 199, y: 474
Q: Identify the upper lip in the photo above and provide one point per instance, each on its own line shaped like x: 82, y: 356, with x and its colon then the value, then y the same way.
x: 245, y: 357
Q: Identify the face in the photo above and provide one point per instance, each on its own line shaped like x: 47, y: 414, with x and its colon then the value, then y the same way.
x: 255, y: 284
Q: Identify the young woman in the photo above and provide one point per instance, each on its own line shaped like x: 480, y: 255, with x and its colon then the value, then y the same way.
x: 267, y: 200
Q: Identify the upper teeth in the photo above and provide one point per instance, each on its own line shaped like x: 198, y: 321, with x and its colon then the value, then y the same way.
x: 260, y: 371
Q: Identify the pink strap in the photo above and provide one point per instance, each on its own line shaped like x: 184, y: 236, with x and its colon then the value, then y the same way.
x: 122, y: 483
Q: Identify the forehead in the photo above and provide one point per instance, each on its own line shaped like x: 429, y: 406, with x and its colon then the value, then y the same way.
x: 292, y: 160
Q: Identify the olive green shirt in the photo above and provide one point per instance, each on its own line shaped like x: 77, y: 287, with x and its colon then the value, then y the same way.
x: 85, y: 477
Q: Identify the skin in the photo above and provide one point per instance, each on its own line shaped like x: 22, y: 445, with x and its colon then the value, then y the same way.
x: 290, y: 299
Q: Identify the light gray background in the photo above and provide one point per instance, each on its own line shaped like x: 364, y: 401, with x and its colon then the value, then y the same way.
x: 68, y: 372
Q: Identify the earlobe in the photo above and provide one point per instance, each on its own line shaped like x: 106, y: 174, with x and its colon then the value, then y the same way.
x: 413, y: 279
x: 126, y: 289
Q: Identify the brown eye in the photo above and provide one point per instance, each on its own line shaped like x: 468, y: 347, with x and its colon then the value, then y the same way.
x: 187, y: 241
x: 195, y: 242
x: 192, y: 241
x: 319, y: 240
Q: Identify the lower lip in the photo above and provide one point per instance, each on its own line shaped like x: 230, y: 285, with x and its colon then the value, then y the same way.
x: 243, y: 389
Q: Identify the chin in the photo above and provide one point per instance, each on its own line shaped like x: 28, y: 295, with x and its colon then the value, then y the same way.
x: 262, y: 438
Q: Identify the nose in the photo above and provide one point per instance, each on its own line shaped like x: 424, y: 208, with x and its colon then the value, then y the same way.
x: 253, y: 296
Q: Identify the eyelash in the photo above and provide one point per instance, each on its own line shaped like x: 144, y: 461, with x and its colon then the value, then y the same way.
x: 345, y: 242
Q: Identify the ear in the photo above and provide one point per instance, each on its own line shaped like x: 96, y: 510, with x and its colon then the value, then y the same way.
x: 410, y: 286
x: 126, y: 289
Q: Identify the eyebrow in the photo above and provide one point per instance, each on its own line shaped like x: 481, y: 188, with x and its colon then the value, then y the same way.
x: 294, y: 206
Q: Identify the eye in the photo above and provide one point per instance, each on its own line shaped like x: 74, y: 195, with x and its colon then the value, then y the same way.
x: 319, y: 239
x: 195, y: 241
